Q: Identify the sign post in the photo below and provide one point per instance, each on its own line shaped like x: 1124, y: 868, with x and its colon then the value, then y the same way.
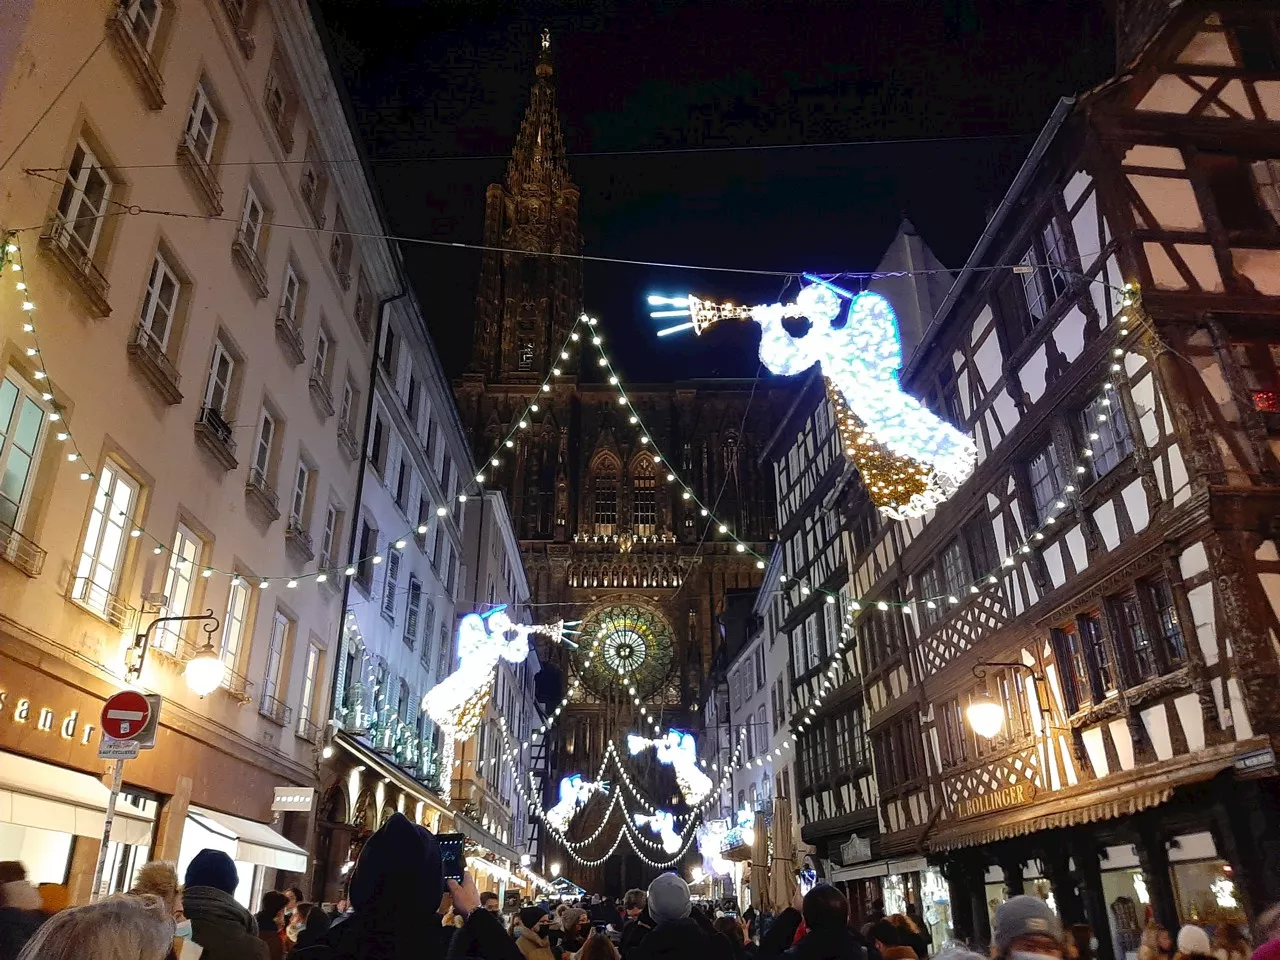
x: 124, y: 718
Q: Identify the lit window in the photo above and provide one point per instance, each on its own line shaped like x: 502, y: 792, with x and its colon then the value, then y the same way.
x: 235, y: 621
x: 21, y: 430
x: 102, y: 553
x: 309, y: 677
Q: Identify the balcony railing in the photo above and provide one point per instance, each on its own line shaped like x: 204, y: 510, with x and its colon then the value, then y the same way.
x: 71, y: 254
x: 137, y: 57
x: 149, y: 358
x: 275, y: 709
x: 347, y: 441
x: 214, y: 433
x: 201, y: 175
x: 297, y: 538
x: 321, y: 395
x: 246, y: 254
x: 308, y: 730
x: 290, y: 337
x: 23, y: 553
x: 238, y: 687
x: 259, y: 489
x: 102, y: 602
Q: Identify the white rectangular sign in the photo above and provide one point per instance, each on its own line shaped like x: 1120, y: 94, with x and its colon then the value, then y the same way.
x: 109, y: 749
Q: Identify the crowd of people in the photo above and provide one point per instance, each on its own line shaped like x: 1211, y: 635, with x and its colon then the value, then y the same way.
x: 398, y: 879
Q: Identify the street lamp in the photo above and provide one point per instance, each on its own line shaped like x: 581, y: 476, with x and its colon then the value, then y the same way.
x: 555, y: 869
x: 204, y: 671
x: 986, y: 716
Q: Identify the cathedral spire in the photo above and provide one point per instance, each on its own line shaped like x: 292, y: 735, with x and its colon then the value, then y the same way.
x: 538, y: 156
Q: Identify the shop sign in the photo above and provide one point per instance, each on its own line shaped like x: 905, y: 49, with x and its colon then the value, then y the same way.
x: 854, y: 850
x: 22, y: 710
x: 1002, y: 798
x: 293, y: 799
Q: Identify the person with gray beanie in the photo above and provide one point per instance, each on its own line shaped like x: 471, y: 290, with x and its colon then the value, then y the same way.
x: 1027, y: 927
x: 679, y: 933
x: 225, y: 929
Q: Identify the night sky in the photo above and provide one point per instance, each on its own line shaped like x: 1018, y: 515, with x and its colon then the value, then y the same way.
x: 450, y: 78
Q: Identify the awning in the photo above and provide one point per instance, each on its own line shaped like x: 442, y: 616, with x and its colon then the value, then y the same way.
x: 253, y: 842
x: 1090, y: 802
x: 40, y: 795
x: 881, y: 868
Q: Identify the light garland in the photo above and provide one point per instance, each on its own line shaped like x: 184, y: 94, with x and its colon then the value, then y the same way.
x: 910, y: 459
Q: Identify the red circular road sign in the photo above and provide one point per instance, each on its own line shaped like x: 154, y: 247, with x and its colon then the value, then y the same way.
x: 125, y: 714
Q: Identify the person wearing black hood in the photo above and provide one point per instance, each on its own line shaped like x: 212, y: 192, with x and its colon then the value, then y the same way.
x: 825, y: 912
x: 219, y: 924
x: 395, y: 890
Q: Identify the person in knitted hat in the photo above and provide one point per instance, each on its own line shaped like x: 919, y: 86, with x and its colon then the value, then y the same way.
x: 574, y: 926
x: 677, y: 933
x: 1026, y: 924
x: 533, y: 942
x: 225, y: 929
x: 1193, y: 944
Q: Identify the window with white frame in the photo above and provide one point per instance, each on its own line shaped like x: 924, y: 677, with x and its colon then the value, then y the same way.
x: 290, y: 294
x: 160, y: 304
x: 262, y: 450
x: 281, y: 632
x: 413, y: 611
x: 389, y: 584
x: 143, y: 17
x: 202, y: 125
x: 1106, y: 434
x: 251, y: 219
x: 102, y: 553
x: 310, y: 674
x: 217, y: 391
x: 346, y: 407
x: 320, y: 364
x: 83, y: 202
x: 235, y: 623
x: 298, y: 508
x: 328, y: 538
x: 21, y: 436
x: 179, y: 586
x: 1045, y: 474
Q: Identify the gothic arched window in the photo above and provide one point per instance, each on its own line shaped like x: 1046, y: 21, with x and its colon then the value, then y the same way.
x: 644, y: 498
x: 605, y: 496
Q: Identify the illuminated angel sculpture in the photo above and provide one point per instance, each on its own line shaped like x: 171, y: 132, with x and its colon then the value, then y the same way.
x: 574, y: 794
x: 711, y: 844
x: 457, y: 703
x: 910, y: 459
x: 678, y: 751
x: 664, y: 825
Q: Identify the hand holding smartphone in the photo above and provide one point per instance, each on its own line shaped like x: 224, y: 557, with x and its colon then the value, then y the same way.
x: 452, y: 858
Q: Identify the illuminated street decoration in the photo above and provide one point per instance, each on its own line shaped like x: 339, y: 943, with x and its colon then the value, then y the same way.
x: 678, y: 751
x: 632, y: 647
x: 711, y: 844
x: 744, y: 832
x: 910, y: 459
x: 664, y: 825
x: 457, y: 703
x: 574, y: 794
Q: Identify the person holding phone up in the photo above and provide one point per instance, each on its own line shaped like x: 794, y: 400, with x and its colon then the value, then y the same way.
x: 396, y: 887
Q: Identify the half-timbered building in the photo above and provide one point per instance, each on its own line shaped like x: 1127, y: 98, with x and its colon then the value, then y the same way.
x: 1100, y: 598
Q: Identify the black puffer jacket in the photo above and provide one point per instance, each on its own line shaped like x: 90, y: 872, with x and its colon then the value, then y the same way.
x: 685, y: 939
x: 226, y: 930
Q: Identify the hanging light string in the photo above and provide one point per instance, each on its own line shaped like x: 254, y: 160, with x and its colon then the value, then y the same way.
x: 11, y: 263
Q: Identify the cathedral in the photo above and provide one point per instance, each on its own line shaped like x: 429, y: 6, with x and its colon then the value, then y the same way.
x: 607, y: 538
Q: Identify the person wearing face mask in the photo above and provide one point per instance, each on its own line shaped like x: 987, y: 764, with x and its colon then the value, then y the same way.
x: 307, y: 924
x: 1026, y: 929
x: 533, y: 942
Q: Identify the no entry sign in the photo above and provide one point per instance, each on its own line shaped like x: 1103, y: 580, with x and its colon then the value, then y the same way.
x: 125, y: 714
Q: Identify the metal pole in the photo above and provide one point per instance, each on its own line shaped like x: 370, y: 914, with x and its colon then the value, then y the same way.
x: 116, y: 776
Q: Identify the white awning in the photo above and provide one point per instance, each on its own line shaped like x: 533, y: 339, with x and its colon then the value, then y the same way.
x: 40, y: 795
x: 880, y: 868
x: 252, y: 842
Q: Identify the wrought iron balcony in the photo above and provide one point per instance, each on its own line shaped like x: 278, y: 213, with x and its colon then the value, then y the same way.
x: 321, y: 395
x: 214, y: 433
x: 275, y: 709
x: 238, y: 687
x: 258, y: 489
x: 23, y: 553
x: 290, y: 337
x: 347, y: 441
x: 298, y: 539
x: 201, y: 175
x: 120, y: 27
x: 102, y: 602
x: 75, y: 259
x: 246, y: 254
x: 149, y: 359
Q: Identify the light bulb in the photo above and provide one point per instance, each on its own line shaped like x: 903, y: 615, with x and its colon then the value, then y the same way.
x: 985, y: 716
x: 204, y: 672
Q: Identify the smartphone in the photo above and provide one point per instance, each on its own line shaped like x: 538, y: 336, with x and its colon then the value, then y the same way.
x: 452, y: 859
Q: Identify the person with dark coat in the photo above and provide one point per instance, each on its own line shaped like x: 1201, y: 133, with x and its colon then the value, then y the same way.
x: 395, y: 890
x: 824, y: 912
x: 20, y: 913
x: 637, y: 921
x: 315, y: 923
x: 225, y: 929
x: 270, y: 921
x: 679, y: 933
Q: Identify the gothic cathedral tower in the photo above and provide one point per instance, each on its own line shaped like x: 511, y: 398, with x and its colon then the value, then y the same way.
x: 527, y: 301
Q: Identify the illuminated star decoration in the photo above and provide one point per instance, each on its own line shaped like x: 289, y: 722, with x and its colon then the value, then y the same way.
x: 910, y: 459
x: 574, y: 794
x: 457, y: 703
x: 664, y: 825
x: 678, y: 751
